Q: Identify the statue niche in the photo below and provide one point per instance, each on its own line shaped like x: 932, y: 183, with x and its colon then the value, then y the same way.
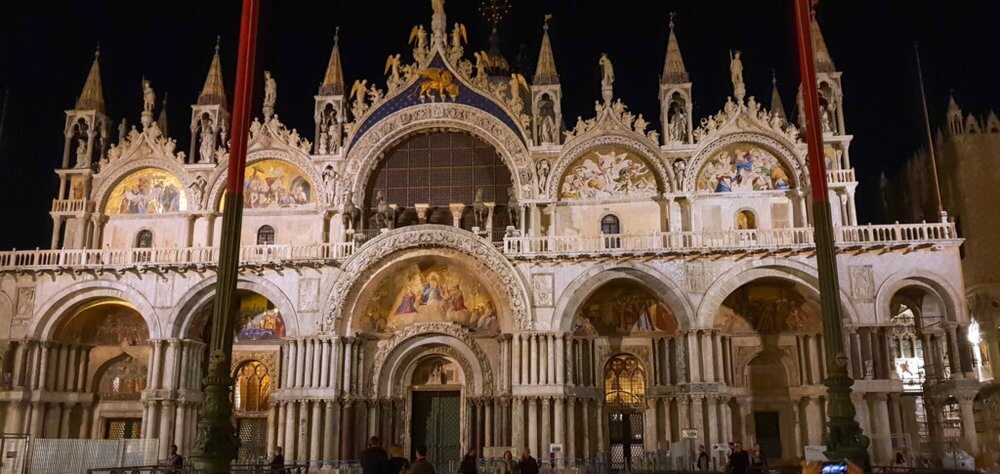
x: 427, y: 289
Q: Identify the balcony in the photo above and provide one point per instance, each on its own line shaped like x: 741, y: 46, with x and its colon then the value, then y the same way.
x: 861, y: 237
x: 840, y: 176
x: 71, y: 205
x: 870, y: 236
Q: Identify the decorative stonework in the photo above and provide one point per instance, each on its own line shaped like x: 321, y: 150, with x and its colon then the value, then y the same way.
x: 150, y: 142
x: 268, y: 358
x: 605, y: 174
x: 862, y: 282
x: 425, y: 236
x: 308, y: 294
x: 543, y: 289
x: 25, y: 300
x: 698, y: 276
x: 453, y: 330
x: 110, y: 176
x: 605, y: 352
x: 612, y: 116
x: 274, y: 134
x: 364, y: 155
x: 403, y: 382
x: 736, y: 116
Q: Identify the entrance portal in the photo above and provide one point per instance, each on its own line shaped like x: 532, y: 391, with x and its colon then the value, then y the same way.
x: 437, y: 424
x: 625, y: 434
x: 768, y: 431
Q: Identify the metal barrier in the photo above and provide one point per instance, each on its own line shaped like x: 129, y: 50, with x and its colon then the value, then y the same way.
x: 58, y: 456
x: 235, y: 468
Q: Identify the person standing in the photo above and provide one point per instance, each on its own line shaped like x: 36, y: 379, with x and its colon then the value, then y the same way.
x: 421, y: 465
x: 703, y: 460
x: 739, y: 460
x: 468, y: 465
x: 397, y: 463
x: 505, y: 465
x: 373, y: 459
x: 758, y: 461
x: 528, y: 464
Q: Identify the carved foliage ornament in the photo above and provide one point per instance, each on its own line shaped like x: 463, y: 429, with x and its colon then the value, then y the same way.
x: 150, y: 142
x: 420, y: 237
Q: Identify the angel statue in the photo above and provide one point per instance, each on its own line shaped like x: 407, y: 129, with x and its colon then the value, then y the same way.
x: 358, y: 91
x: 459, y: 35
x: 420, y: 35
x: 392, y: 69
x: 482, y: 62
x: 270, y: 90
x: 517, y: 84
x: 148, y: 97
x: 607, y: 71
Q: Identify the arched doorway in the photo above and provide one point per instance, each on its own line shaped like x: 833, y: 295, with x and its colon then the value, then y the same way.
x: 251, y: 395
x: 436, y: 409
x: 772, y: 341
x: 107, y: 338
x: 625, y: 400
x: 428, y: 172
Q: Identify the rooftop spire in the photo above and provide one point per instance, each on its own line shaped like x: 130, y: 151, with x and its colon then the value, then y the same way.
x: 777, y: 107
x: 545, y: 73
x: 333, y: 81
x: 161, y: 120
x: 673, y: 66
x: 213, y: 93
x: 92, y: 97
x: 824, y: 63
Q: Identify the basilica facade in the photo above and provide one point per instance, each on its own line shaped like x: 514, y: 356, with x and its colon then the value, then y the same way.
x: 449, y: 261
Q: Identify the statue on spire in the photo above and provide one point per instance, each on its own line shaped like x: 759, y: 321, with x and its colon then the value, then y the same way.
x: 148, y: 103
x: 736, y: 74
x: 607, y: 77
x: 270, y: 94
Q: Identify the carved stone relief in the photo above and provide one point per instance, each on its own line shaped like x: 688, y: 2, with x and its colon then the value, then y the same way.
x: 543, y: 288
x: 862, y: 282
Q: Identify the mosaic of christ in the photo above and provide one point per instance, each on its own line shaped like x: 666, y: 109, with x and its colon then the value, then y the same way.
x: 147, y: 191
x: 624, y: 307
x: 427, y: 291
x: 743, y: 168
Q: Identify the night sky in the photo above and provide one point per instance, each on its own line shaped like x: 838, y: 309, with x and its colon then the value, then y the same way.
x: 46, y: 49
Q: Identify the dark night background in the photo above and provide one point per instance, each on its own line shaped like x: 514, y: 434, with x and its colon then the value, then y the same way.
x: 46, y: 49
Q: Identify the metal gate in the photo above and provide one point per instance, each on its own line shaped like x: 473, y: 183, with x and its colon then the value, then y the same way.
x: 437, y: 424
x: 625, y: 435
x: 253, y: 440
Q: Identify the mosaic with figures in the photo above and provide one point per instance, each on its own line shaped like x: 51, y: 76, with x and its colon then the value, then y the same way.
x: 608, y: 172
x: 147, y: 191
x: 743, y: 168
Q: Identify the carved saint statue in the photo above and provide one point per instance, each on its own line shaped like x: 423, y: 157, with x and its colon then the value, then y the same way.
x: 198, y: 190
x: 679, y: 168
x: 330, y: 183
x: 513, y: 206
x: 479, y: 209
x: 825, y: 119
x: 542, y: 169
x: 148, y: 97
x: 270, y: 90
x: 736, y: 73
x: 331, y: 137
x: 206, y: 151
x: 82, y: 155
x: 607, y: 71
x: 678, y: 126
x: 549, y: 130
x: 122, y: 130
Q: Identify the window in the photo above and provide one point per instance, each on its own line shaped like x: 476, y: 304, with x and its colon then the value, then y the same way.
x: 253, y: 387
x: 746, y: 220
x: 624, y: 381
x: 144, y: 239
x: 265, y: 235
x: 611, y: 226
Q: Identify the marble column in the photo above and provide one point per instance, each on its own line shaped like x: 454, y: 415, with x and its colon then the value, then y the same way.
x: 515, y: 359
x: 550, y: 358
x: 708, y: 354
x: 694, y: 356
x: 546, y: 425
x: 882, y: 428
x: 666, y: 434
x: 314, y: 436
x: 814, y: 422
x: 570, y: 450
x: 272, y: 430
x: 332, y: 440
x: 600, y: 427
x: 816, y: 375
x: 970, y: 439
x: 533, y: 426
x: 561, y: 359
x: 280, y: 438
x: 533, y: 360
x: 586, y: 429
x: 488, y: 428
x: 517, y: 423
x: 290, y: 432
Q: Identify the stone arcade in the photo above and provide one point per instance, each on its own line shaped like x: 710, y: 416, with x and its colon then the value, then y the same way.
x: 447, y: 263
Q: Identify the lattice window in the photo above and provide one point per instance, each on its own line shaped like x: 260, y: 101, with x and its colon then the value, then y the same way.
x: 253, y: 387
x: 123, y: 428
x: 144, y: 239
x: 624, y: 382
x: 265, y: 235
x: 123, y: 380
x: 439, y: 169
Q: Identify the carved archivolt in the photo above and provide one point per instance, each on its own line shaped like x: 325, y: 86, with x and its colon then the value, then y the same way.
x: 365, y: 154
x: 400, y: 384
x: 424, y: 236
x: 448, y: 329
x: 779, y: 149
x: 570, y: 153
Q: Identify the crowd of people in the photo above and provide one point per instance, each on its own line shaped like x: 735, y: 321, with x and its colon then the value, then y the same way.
x: 739, y: 460
x: 376, y: 460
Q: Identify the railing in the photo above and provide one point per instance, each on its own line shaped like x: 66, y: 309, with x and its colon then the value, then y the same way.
x: 792, y: 238
x: 115, y: 258
x: 237, y: 468
x: 840, y: 176
x: 69, y: 205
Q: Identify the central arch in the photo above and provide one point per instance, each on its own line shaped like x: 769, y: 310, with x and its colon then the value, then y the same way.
x: 374, y: 256
x: 365, y: 154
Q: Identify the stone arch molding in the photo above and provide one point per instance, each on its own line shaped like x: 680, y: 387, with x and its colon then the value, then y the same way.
x: 118, y: 173
x: 783, y: 150
x: 365, y: 154
x: 626, y: 140
x: 293, y: 156
x: 411, y: 343
x: 59, y: 305
x: 928, y: 281
x: 734, y: 277
x: 424, y: 236
x: 585, y: 284
x: 181, y: 316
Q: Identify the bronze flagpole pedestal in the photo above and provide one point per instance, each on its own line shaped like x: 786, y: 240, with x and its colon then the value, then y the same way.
x: 844, y: 439
x: 216, y: 442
